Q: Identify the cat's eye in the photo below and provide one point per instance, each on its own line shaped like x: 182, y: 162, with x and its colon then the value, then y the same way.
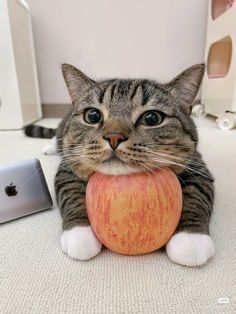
x: 92, y: 116
x: 151, y: 118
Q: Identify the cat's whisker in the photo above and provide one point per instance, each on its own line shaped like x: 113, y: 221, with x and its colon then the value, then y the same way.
x: 187, y: 160
x: 69, y: 163
x: 69, y: 158
x: 82, y: 144
x: 75, y: 153
x: 171, y: 154
x: 145, y: 167
x: 193, y: 175
x: 187, y: 167
x: 181, y: 165
x: 166, y: 144
x: 154, y: 166
x: 76, y: 149
x: 189, y: 156
x: 151, y: 168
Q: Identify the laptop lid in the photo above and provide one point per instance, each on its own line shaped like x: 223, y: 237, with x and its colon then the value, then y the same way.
x: 23, y: 189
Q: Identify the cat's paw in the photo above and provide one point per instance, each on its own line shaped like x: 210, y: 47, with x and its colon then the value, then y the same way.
x: 80, y: 243
x: 50, y: 149
x: 190, y: 249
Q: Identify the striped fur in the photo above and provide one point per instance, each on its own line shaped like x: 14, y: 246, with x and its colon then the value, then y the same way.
x: 173, y: 143
x: 39, y: 131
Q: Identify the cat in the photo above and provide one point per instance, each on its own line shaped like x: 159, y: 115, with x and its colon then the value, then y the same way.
x: 124, y: 126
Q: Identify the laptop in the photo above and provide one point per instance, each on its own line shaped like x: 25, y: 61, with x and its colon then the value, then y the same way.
x: 23, y: 190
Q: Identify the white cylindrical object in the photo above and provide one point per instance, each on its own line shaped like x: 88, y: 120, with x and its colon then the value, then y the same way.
x: 227, y: 121
x: 19, y: 92
x: 198, y: 111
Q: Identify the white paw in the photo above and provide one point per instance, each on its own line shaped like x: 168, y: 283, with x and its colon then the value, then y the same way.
x: 190, y: 249
x: 50, y: 149
x: 80, y: 243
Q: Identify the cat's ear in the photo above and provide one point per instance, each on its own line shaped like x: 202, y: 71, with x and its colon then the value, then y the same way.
x: 186, y: 85
x: 77, y: 82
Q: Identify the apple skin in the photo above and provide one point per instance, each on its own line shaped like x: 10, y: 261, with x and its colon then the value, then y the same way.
x: 134, y: 214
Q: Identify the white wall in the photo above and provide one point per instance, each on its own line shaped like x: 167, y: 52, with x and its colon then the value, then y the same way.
x: 125, y: 38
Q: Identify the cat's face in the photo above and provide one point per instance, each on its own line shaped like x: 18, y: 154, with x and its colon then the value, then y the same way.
x: 125, y: 126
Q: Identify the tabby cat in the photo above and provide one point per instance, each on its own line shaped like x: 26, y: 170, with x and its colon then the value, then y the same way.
x: 123, y: 126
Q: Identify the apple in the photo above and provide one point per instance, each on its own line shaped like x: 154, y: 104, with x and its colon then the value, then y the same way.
x: 134, y: 214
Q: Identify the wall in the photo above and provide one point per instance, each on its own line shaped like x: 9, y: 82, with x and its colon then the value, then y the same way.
x: 126, y: 38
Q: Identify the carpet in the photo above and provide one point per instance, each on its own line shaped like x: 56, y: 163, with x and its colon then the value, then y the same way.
x: 36, y: 277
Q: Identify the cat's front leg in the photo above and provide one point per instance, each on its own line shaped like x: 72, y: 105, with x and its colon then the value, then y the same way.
x: 191, y: 245
x: 78, y: 239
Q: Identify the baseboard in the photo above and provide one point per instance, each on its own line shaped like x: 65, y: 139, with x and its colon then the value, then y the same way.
x: 55, y: 110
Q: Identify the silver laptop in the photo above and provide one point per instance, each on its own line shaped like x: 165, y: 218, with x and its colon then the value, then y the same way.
x: 23, y: 190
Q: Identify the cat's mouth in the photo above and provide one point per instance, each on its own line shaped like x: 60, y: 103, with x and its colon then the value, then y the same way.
x: 113, y: 158
x: 114, y: 165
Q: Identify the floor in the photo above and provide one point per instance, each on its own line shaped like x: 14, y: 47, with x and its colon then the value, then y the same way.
x: 36, y: 277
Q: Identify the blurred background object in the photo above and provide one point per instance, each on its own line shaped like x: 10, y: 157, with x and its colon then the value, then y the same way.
x: 219, y: 83
x: 105, y: 39
x: 135, y: 38
x: 19, y: 92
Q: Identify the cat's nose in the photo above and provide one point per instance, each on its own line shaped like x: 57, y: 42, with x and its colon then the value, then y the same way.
x: 114, y: 139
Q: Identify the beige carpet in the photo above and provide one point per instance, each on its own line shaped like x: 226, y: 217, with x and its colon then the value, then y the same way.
x: 36, y: 277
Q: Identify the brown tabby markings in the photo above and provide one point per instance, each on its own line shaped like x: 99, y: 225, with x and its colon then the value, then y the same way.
x: 172, y: 143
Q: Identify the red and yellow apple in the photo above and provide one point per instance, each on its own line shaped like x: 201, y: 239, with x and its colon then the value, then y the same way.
x: 134, y: 214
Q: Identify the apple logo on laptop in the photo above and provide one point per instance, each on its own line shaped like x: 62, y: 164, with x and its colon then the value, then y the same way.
x: 11, y: 190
